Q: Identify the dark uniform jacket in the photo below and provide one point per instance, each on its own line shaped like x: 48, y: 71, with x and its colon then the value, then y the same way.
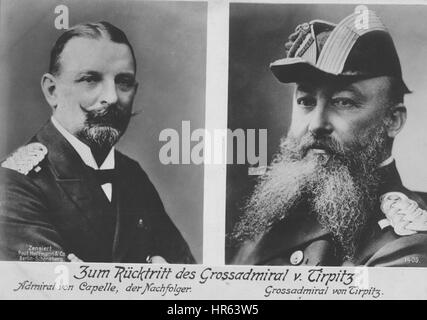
x: 300, y: 240
x: 59, y: 208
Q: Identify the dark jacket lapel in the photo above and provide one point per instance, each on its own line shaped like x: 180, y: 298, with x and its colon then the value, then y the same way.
x: 131, y: 204
x: 72, y: 175
x: 296, y: 230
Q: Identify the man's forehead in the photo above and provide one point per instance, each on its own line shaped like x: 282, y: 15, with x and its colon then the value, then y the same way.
x: 101, y: 54
x: 357, y: 85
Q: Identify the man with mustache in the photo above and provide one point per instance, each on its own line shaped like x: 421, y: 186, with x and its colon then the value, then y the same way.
x: 68, y: 194
x: 333, y: 196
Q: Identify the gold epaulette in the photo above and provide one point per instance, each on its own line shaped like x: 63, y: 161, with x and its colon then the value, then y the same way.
x: 26, y: 158
x: 403, y: 214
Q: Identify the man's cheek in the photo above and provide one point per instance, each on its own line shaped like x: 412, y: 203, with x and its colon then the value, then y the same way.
x: 67, y: 102
x: 88, y: 102
x: 297, y: 131
x: 345, y: 131
x: 83, y: 97
x: 126, y: 100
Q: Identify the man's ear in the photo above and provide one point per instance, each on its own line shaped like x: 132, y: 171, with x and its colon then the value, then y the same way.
x: 396, y: 119
x: 48, y: 84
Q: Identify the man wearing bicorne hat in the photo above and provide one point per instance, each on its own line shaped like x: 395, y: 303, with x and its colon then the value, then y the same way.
x: 333, y: 196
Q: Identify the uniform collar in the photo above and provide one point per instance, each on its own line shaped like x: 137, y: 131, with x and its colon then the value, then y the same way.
x: 83, y: 150
x: 389, y: 178
x: 386, y: 162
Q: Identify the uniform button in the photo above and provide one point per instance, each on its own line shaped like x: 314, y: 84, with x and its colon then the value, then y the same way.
x: 297, y: 257
x: 140, y: 223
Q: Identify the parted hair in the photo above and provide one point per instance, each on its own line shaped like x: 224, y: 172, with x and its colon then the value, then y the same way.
x: 96, y: 30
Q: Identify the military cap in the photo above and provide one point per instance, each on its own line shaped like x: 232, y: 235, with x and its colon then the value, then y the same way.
x: 348, y: 49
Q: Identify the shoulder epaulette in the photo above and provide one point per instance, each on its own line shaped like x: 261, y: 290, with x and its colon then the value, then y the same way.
x: 402, y: 213
x: 26, y: 158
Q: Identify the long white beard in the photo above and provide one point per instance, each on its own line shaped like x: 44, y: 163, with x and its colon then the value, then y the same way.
x: 339, y: 186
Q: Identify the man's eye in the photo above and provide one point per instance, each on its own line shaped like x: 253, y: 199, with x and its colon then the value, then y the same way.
x: 344, y: 103
x: 89, y: 79
x: 125, y: 83
x: 306, y: 102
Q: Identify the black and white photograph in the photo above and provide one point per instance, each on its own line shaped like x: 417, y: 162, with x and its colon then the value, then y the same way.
x: 341, y: 90
x: 213, y: 154
x: 87, y: 89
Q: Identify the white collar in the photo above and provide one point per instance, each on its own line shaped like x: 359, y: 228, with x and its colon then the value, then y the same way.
x: 83, y: 150
x: 386, y: 162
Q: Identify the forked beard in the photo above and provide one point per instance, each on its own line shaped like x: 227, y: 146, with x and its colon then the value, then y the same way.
x: 340, y: 187
x: 103, y: 128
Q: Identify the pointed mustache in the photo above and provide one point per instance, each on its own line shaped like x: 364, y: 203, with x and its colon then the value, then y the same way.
x: 111, y: 114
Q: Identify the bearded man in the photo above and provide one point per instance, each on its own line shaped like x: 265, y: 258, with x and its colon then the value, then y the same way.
x: 68, y: 194
x: 333, y: 196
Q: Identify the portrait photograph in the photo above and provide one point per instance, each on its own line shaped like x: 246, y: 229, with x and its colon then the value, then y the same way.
x: 87, y: 89
x: 341, y: 91
x: 212, y: 150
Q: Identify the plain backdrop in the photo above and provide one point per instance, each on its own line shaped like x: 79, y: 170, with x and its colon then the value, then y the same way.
x: 169, y: 40
x: 258, y: 33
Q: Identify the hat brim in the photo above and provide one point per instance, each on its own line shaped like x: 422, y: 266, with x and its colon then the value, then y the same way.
x: 289, y: 70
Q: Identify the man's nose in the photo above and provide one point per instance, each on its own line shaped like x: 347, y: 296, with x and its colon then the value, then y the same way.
x: 109, y: 93
x: 320, y: 120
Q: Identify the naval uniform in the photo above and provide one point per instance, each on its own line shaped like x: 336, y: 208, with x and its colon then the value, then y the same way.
x: 53, y: 204
x: 397, y: 233
x: 396, y: 236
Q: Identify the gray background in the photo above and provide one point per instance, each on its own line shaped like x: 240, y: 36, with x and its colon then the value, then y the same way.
x: 169, y: 40
x: 258, y: 33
